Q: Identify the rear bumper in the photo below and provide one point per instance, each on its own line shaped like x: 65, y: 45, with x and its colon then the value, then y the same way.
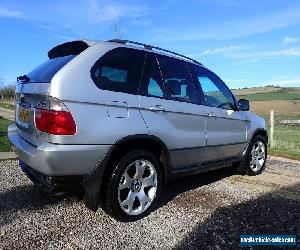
x: 56, y: 159
x: 53, y: 184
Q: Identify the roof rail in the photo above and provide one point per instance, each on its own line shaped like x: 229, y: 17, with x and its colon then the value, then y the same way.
x: 150, y: 47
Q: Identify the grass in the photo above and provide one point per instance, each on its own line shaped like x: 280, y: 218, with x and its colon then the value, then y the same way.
x: 286, y: 138
x: 5, y: 145
x: 271, y: 96
x: 7, y: 105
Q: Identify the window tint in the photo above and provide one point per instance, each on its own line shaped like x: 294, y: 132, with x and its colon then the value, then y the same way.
x: 46, y: 71
x: 152, y: 82
x: 114, y: 75
x: 177, y: 79
x: 215, y: 92
x: 119, y: 70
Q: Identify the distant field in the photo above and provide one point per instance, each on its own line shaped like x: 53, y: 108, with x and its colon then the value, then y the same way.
x: 286, y: 104
x: 284, y: 101
x: 256, y: 90
x: 280, y: 107
x: 286, y: 138
x: 271, y: 96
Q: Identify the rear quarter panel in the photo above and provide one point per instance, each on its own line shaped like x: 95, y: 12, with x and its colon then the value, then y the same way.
x: 101, y: 116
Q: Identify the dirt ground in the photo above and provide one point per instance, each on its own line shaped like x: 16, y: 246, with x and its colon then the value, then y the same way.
x: 205, y: 211
x: 280, y: 107
x: 7, y: 113
x: 254, y: 90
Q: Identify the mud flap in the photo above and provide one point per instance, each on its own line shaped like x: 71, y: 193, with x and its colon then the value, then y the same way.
x: 92, y: 186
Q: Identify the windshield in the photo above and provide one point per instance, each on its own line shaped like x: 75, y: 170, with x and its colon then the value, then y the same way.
x: 48, y: 69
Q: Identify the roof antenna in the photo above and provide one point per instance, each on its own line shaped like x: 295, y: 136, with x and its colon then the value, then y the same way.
x: 118, y: 34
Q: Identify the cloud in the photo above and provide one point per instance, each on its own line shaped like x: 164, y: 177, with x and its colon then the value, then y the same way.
x: 233, y: 29
x: 291, y: 82
x: 284, y: 52
x: 251, y: 56
x: 100, y: 12
x: 289, y: 39
x: 227, y: 49
x: 246, y: 52
x: 76, y: 18
x: 4, y: 12
x: 235, y: 81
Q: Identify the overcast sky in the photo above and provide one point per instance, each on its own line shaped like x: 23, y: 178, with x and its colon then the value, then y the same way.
x: 247, y: 43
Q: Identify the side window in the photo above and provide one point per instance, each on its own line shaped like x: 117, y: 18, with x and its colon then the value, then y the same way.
x: 152, y: 82
x: 215, y: 92
x: 178, y: 82
x: 119, y: 70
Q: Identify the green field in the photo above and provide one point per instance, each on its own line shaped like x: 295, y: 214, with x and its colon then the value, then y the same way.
x: 271, y: 96
x: 7, y: 106
x: 287, y: 141
x: 5, y: 145
x: 286, y: 138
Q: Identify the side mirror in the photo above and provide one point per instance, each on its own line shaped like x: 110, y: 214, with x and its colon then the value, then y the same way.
x: 243, y: 105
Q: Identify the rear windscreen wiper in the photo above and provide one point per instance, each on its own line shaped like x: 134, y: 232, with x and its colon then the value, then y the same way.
x: 23, y: 78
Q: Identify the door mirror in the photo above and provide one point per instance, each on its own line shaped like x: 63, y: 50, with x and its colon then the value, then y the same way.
x: 243, y: 105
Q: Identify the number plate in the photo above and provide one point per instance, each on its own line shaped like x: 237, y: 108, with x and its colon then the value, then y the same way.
x: 23, y: 116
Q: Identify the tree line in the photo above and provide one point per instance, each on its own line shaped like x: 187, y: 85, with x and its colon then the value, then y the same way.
x: 7, y: 91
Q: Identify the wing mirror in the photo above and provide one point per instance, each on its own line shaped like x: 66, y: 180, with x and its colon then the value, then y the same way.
x: 243, y: 105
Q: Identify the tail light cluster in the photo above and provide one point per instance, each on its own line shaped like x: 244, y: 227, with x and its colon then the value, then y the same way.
x: 56, y: 120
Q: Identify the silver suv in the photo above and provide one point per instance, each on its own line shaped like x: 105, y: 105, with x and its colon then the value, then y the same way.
x: 118, y: 119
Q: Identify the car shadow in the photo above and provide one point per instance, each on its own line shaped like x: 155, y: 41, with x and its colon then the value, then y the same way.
x: 181, y: 185
x: 29, y: 197
x: 271, y: 213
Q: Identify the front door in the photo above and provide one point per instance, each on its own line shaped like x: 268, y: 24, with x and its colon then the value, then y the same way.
x: 225, y: 126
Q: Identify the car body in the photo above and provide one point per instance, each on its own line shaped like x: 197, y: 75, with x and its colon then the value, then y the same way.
x: 92, y: 101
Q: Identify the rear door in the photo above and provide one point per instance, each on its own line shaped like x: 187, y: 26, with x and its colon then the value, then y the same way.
x: 225, y: 126
x: 32, y: 92
x: 169, y: 106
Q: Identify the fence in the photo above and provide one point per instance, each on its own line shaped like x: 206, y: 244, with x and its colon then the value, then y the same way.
x: 284, y: 134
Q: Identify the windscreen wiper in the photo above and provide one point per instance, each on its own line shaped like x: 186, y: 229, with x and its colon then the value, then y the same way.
x: 23, y: 79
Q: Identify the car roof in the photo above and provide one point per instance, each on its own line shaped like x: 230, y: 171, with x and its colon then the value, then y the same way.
x: 84, y: 43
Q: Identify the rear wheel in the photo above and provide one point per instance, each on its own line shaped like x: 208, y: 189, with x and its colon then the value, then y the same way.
x: 255, y: 159
x: 134, y: 186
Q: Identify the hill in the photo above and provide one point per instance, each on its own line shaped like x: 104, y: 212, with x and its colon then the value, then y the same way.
x: 284, y: 101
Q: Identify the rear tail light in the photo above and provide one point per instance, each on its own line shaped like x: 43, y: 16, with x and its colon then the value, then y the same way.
x: 57, y: 120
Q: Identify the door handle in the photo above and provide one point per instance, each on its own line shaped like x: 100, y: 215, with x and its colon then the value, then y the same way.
x: 158, y: 108
x: 210, y: 114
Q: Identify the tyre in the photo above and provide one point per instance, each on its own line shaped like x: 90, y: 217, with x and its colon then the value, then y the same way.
x: 134, y: 186
x: 255, y: 159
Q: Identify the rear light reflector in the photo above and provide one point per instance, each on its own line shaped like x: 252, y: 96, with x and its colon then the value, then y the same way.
x: 55, y: 122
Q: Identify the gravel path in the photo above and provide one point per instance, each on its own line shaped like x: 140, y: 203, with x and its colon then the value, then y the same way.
x: 205, y: 211
x: 7, y: 113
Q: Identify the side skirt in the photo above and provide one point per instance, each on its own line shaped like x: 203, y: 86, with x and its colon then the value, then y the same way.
x: 204, y: 167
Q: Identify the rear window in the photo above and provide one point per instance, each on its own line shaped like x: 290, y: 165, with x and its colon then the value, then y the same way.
x: 48, y: 69
x: 119, y: 70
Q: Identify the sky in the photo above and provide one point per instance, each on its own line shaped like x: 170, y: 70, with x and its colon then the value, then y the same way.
x: 247, y: 43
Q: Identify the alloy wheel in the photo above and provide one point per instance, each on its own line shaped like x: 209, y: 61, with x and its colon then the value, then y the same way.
x: 137, y: 187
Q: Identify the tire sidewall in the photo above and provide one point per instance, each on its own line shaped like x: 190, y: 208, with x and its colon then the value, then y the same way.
x: 249, y: 170
x: 112, y: 202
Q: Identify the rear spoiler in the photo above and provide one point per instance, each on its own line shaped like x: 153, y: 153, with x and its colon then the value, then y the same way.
x: 67, y: 49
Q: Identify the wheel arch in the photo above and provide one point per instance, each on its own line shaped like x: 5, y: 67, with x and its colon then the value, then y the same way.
x: 95, y: 183
x: 260, y: 131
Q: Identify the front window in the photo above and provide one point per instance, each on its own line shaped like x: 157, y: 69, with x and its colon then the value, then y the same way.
x: 216, y: 94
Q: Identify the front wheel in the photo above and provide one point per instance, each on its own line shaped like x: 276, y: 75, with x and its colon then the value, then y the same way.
x: 255, y: 158
x: 134, y: 186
